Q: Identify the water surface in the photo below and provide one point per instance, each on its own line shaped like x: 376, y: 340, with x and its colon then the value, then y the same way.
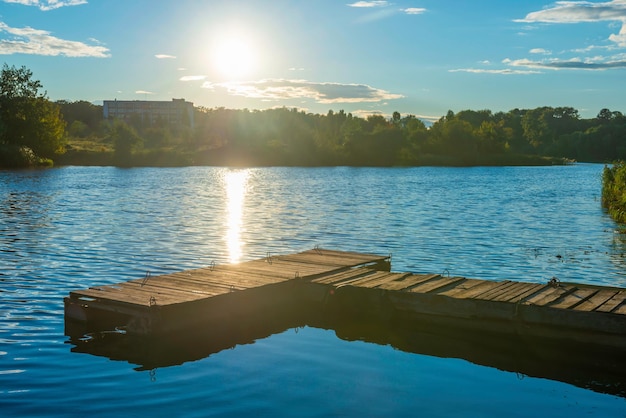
x: 76, y: 227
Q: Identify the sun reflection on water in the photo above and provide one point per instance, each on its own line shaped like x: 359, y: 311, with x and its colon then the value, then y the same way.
x: 236, y: 185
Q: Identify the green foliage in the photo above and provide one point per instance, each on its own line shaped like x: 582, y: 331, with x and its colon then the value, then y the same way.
x: 13, y: 156
x: 291, y: 137
x: 614, y: 191
x: 87, y: 114
x: 28, y: 120
x: 125, y: 141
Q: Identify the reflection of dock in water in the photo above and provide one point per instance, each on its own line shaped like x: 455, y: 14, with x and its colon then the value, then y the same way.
x: 588, y: 366
x: 524, y: 327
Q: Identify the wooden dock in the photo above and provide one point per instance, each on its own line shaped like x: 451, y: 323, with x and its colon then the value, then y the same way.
x: 354, y: 283
x: 180, y: 300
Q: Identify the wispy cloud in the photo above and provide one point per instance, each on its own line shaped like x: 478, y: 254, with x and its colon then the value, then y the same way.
x: 579, y: 11
x: 144, y: 92
x: 388, y: 10
x: 369, y: 4
x: 40, y: 42
x: 414, y: 10
x: 49, y: 4
x: 574, y: 63
x: 584, y: 11
x: 281, y: 89
x: 572, y: 12
x: 192, y: 78
x: 504, y: 71
x: 165, y: 56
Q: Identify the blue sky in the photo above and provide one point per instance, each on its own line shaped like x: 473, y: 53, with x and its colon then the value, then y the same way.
x: 419, y: 57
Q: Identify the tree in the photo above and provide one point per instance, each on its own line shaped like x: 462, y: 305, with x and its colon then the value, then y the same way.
x: 82, y: 111
x: 125, y: 140
x: 28, y: 120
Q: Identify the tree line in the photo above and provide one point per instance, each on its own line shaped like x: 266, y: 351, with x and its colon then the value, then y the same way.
x: 35, y: 129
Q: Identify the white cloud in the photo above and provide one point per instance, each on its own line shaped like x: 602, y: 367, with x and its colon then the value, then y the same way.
x: 280, y: 89
x: 414, y: 10
x: 369, y: 4
x: 595, y: 63
x: 165, y: 56
x: 192, y: 78
x: 362, y: 113
x: 579, y: 11
x: 504, y: 71
x: 49, y: 4
x: 584, y: 11
x: 540, y: 51
x: 39, y: 42
x: 143, y: 92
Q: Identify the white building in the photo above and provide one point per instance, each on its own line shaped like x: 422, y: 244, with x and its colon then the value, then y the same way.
x: 178, y: 112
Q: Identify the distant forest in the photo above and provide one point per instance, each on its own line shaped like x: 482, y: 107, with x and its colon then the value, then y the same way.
x: 35, y: 131
x: 290, y: 137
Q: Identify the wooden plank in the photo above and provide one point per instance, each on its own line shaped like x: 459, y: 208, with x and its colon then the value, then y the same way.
x: 231, y: 277
x: 462, y: 287
x: 367, y: 273
x: 409, y: 282
x: 513, y: 292
x: 596, y: 300
x: 530, y: 291
x: 377, y: 279
x: 284, y: 271
x: 547, y: 296
x: 436, y: 284
x: 573, y: 299
x: 138, y: 293
x: 327, y: 261
x: 199, y: 283
x: 366, y: 257
x: 228, y: 276
x: 391, y: 278
x: 337, y: 278
x: 174, y: 290
x: 264, y: 276
x: 504, y: 289
x: 288, y: 265
x: 485, y: 286
x: 620, y: 310
x: 165, y: 296
x: 337, y: 258
x: 272, y: 274
x: 612, y: 303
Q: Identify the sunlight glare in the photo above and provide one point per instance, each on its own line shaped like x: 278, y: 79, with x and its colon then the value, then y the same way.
x: 234, y: 57
x: 236, y: 187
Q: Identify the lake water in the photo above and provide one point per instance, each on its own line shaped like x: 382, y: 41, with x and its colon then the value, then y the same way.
x: 75, y: 227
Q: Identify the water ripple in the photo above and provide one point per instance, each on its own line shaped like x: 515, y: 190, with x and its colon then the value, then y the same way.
x: 76, y: 227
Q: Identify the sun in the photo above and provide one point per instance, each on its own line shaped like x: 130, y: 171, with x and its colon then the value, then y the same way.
x: 234, y: 58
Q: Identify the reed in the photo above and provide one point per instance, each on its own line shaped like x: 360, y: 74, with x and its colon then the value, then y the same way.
x: 614, y: 191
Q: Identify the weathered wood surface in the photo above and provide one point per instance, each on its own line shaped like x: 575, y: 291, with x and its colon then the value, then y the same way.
x: 319, y: 275
x: 196, y: 284
x: 564, y: 296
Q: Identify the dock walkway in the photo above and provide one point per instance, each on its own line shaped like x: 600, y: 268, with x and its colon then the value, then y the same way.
x: 357, y: 282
